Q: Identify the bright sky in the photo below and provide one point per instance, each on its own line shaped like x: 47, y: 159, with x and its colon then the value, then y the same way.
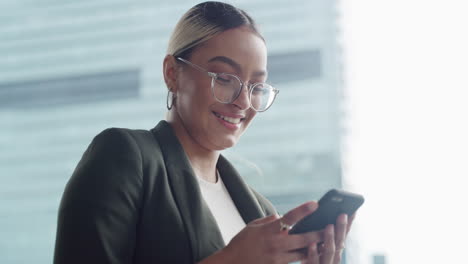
x: 407, y: 148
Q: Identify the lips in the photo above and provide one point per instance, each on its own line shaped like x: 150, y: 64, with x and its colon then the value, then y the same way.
x: 232, y: 120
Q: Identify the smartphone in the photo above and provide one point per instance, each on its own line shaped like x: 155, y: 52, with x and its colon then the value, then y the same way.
x: 331, y: 205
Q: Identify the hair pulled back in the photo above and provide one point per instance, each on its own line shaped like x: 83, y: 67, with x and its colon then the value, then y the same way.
x: 204, y: 21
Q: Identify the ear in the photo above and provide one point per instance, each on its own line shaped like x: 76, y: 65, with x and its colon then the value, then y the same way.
x: 170, y: 68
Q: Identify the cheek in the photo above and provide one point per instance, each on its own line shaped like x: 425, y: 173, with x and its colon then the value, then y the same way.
x: 194, y: 98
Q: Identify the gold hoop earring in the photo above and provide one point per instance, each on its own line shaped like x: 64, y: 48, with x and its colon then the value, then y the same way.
x: 170, y: 102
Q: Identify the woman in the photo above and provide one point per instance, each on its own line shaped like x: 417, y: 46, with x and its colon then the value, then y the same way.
x: 167, y: 195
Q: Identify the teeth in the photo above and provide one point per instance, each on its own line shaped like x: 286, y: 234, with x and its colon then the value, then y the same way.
x: 229, y: 119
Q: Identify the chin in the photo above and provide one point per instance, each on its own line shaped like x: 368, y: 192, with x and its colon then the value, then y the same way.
x: 226, y: 143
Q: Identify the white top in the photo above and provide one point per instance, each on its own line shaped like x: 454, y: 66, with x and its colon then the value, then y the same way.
x: 222, y: 207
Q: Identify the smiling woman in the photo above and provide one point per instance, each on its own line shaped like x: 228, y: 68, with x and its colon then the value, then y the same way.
x: 167, y: 195
x: 193, y: 91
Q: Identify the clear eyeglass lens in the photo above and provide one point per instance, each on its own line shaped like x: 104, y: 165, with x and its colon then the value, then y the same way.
x: 261, y: 96
x: 226, y: 88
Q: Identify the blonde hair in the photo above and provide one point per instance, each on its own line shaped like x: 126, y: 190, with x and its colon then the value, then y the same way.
x: 203, y: 22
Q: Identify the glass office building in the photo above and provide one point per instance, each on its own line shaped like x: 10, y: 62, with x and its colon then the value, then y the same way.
x: 70, y: 69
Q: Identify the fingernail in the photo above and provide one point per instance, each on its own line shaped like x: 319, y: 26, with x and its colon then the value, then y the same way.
x: 313, y: 247
x: 344, y: 219
x: 311, y: 206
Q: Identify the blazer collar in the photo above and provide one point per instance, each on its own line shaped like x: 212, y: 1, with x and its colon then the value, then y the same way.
x: 202, y: 229
x: 244, y: 199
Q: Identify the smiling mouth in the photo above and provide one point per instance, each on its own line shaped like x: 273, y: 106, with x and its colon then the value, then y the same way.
x: 232, y: 120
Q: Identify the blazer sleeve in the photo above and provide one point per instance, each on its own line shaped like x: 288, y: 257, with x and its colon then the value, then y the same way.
x: 98, y: 214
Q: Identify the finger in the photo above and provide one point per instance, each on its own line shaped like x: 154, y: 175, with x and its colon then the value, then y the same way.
x: 350, y: 222
x: 296, y: 214
x: 265, y: 220
x: 337, y: 257
x: 340, y: 237
x: 294, y: 242
x: 312, y: 255
x: 327, y: 251
x: 291, y: 256
x: 340, y: 231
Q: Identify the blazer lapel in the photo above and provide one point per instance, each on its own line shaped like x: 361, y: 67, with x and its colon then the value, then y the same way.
x: 203, y: 232
x: 245, y: 201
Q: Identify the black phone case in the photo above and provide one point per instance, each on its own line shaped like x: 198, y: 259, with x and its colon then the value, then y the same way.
x: 331, y: 205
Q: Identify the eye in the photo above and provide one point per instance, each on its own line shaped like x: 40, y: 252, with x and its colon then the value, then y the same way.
x: 260, y: 89
x: 224, y: 79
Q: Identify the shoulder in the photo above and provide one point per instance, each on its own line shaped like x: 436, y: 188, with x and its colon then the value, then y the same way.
x: 114, y: 158
x: 119, y: 136
x: 124, y: 141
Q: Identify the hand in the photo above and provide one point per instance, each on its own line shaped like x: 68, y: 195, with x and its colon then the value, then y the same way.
x: 263, y: 241
x: 330, y: 251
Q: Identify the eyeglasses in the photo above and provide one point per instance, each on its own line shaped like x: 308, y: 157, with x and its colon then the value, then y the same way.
x: 226, y: 88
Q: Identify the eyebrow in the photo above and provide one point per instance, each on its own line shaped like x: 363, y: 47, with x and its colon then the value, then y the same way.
x: 235, y: 65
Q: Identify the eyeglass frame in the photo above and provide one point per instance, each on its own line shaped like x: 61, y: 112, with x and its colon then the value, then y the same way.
x: 250, y: 86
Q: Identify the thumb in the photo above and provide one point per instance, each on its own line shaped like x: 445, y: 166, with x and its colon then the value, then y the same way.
x: 264, y: 220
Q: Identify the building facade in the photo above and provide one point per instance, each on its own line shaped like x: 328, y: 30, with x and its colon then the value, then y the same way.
x: 70, y: 69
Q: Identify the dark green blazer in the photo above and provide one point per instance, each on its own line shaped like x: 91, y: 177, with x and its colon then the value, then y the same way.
x: 134, y: 198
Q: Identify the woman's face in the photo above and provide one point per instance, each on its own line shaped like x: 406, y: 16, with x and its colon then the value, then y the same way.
x: 211, y: 124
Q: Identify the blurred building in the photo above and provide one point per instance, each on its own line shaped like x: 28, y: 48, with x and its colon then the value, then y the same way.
x: 70, y: 69
x: 378, y: 259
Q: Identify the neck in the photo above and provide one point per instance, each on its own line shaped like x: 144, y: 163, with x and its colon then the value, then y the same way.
x: 203, y: 160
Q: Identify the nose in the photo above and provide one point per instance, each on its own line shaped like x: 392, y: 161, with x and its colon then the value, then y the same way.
x: 243, y: 100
